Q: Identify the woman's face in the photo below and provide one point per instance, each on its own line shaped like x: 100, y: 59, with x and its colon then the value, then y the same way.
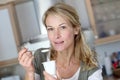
x: 60, y: 32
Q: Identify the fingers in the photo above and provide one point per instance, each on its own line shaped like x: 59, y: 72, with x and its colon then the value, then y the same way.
x: 25, y: 57
x: 30, y: 61
x: 21, y: 53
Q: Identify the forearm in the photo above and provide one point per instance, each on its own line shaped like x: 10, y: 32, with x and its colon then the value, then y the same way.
x: 30, y: 76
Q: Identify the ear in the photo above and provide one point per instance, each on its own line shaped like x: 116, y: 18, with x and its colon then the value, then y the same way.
x: 76, y: 30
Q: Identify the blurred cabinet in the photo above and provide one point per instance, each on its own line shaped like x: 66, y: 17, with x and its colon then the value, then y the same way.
x: 104, y: 17
x: 28, y: 20
x: 9, y: 36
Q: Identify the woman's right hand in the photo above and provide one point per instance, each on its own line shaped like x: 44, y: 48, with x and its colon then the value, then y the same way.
x: 25, y: 59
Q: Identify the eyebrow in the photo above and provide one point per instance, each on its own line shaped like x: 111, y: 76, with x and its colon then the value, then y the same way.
x: 61, y: 24
x: 48, y: 26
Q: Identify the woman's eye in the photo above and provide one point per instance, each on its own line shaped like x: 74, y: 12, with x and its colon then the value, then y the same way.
x: 63, y: 27
x: 50, y: 29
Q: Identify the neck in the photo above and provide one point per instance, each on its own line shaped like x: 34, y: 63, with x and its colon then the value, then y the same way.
x: 65, y: 56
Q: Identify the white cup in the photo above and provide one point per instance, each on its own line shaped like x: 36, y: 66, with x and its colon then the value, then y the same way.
x: 50, y: 67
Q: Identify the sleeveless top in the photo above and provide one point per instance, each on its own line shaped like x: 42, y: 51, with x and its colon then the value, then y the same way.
x: 40, y: 57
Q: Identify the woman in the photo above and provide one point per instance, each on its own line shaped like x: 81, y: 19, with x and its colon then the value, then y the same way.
x: 74, y: 59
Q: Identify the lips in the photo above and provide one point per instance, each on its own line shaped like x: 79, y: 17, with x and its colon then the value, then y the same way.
x: 59, y: 42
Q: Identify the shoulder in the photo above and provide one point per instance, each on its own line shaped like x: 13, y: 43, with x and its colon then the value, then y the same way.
x: 91, y: 71
x: 85, y: 74
x: 97, y: 75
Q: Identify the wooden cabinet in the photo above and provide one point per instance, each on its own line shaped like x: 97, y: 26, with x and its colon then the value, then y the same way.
x: 9, y: 35
x: 104, y: 16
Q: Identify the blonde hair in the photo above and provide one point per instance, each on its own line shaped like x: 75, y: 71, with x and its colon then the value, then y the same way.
x: 82, y: 51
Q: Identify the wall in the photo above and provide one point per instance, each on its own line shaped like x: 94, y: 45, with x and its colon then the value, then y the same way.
x: 79, y: 5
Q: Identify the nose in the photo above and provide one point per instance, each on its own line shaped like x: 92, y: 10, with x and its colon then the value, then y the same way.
x: 57, y: 34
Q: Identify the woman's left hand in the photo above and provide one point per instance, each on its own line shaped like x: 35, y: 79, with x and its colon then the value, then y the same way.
x: 49, y: 77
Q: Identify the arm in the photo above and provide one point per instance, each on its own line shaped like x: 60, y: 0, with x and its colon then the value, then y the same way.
x: 97, y: 75
x: 25, y: 59
x: 29, y: 76
x: 35, y: 76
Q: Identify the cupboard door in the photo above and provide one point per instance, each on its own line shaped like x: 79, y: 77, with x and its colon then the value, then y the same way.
x: 8, y: 43
x: 104, y: 16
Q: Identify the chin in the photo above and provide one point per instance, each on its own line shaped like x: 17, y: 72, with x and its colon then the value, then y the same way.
x: 59, y: 49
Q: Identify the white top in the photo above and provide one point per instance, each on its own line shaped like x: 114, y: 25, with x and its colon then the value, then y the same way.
x: 97, y: 75
x: 75, y: 76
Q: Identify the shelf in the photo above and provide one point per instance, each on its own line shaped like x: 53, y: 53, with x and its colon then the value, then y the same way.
x: 106, y: 40
x: 106, y: 21
x: 109, y: 15
x: 102, y: 2
x: 9, y: 62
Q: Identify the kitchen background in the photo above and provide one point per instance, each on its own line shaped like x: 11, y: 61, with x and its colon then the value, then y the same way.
x: 30, y: 32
